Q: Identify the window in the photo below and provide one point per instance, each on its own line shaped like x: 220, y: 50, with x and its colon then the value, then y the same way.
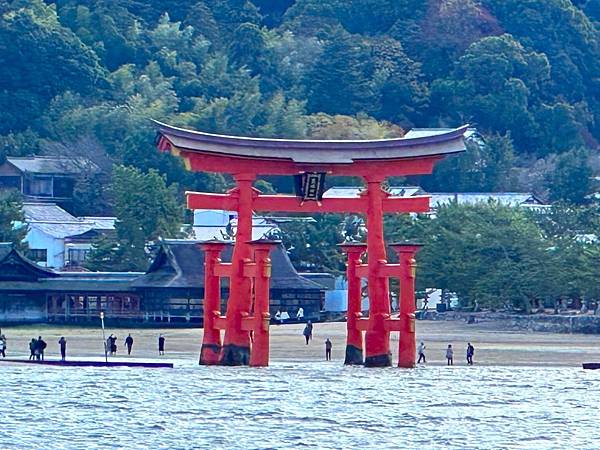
x: 77, y: 256
x: 40, y: 186
x: 38, y: 255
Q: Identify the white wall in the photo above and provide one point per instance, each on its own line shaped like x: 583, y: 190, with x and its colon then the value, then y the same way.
x: 55, y: 247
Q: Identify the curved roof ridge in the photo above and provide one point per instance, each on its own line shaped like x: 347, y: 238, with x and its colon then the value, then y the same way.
x: 330, y: 152
x: 241, y: 140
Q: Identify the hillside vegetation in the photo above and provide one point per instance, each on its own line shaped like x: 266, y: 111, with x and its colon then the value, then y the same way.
x: 88, y: 75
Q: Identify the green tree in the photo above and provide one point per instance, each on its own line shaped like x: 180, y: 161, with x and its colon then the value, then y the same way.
x: 12, y: 220
x: 312, y: 245
x: 572, y: 177
x: 45, y: 59
x: 484, y: 167
x: 339, y: 81
x: 146, y: 209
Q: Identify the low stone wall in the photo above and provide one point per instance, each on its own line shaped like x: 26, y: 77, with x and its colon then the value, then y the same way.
x: 586, y: 324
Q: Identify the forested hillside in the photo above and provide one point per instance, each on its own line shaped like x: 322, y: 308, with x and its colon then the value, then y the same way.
x: 89, y: 74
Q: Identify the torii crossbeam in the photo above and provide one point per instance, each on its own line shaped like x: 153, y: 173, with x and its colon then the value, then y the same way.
x: 246, y: 158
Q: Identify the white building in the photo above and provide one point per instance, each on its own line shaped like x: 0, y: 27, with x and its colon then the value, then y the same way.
x: 217, y: 224
x: 57, y: 239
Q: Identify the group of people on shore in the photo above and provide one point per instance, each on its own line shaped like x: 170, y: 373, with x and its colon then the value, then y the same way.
x: 111, y: 344
x: 449, y: 354
x: 38, y: 346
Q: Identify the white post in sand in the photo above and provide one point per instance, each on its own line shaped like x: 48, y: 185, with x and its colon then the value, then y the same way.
x: 104, y: 337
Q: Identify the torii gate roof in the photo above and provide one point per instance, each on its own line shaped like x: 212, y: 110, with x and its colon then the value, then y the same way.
x: 230, y: 154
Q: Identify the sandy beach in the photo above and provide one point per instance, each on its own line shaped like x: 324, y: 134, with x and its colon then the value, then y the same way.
x: 493, y: 346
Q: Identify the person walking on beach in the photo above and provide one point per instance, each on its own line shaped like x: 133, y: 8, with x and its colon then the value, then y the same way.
x: 3, y: 345
x: 41, y: 346
x: 421, y: 353
x: 308, y: 331
x: 32, y: 347
x: 300, y: 314
x: 450, y: 355
x: 113, y: 346
x: 161, y: 345
x: 470, y: 353
x: 328, y: 346
x: 129, y: 343
x: 63, y: 348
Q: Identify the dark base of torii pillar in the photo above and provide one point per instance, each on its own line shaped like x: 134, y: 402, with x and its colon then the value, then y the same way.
x: 235, y: 355
x: 354, y: 356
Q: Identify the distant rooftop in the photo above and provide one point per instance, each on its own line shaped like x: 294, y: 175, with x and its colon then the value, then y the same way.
x: 426, y: 132
x: 46, y: 212
x: 52, y: 165
x: 441, y: 198
x: 51, y: 219
x: 353, y: 191
x: 472, y: 198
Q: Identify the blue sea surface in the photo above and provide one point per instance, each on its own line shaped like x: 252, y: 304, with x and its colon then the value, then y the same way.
x: 298, y: 405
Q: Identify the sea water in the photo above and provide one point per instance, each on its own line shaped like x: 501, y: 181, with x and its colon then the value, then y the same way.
x: 299, y: 405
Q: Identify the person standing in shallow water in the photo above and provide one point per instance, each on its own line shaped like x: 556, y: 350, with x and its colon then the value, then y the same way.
x: 41, y: 346
x: 470, y: 353
x: 161, y: 345
x: 450, y: 355
x: 328, y: 346
x: 129, y: 343
x: 32, y: 347
x: 421, y: 353
x: 63, y: 348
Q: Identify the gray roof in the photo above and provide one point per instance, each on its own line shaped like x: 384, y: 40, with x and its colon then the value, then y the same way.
x: 17, y: 273
x: 101, y: 223
x: 52, y: 220
x: 180, y: 264
x: 61, y: 230
x: 52, y: 165
x: 354, y: 191
x: 473, y: 198
x: 424, y: 132
x: 316, y: 151
x: 46, y: 212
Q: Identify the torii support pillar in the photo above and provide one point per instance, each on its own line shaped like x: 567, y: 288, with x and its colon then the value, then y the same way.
x: 407, y: 342
x: 236, y: 342
x: 377, y: 337
x: 261, y: 268
x: 211, y: 341
x: 354, y: 338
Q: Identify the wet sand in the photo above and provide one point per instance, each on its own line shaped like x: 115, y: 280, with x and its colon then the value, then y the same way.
x: 492, y: 345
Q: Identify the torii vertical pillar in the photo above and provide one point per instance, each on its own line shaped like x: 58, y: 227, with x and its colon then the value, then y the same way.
x: 407, y: 343
x: 236, y: 343
x: 377, y: 337
x: 211, y: 341
x: 261, y: 317
x: 354, y: 339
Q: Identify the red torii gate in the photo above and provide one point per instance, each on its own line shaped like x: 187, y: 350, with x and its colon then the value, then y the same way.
x: 249, y: 271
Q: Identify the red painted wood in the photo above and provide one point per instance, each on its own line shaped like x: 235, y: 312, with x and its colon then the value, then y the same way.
x: 290, y: 203
x: 227, y: 164
x: 236, y: 342
x: 377, y: 338
x: 407, y: 343
x: 260, y: 346
x: 354, y: 337
x: 211, y: 340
